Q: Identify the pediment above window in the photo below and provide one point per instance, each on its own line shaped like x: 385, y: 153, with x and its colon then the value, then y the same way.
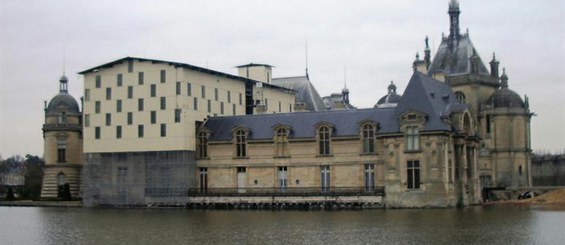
x: 413, y: 117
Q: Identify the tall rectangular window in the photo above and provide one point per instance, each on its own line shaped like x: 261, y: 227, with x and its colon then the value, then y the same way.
x: 61, y: 151
x: 222, y: 108
x: 108, y: 119
x: 130, y: 66
x: 413, y: 175
x: 98, y: 81
x: 233, y: 109
x: 140, y: 78
x: 203, y: 92
x: 240, y: 99
x: 163, y: 130
x: 280, y: 107
x: 202, y: 145
x: 283, y: 179
x: 119, y: 80
x: 412, y: 138
x: 130, y: 118
x: 87, y: 95
x: 209, y: 106
x: 281, y: 142
x: 229, y: 96
x: 130, y: 92
x: 368, y: 139
x: 241, y: 143
x: 369, y: 177
x: 97, y: 133
x: 153, y: 90
x: 325, y: 178
x: 118, y: 132
x: 324, y: 140
x: 216, y: 94
x: 195, y: 104
x: 108, y: 93
x: 163, y: 76
x: 188, y: 89
x: 118, y: 105
x: 153, y: 117
x: 163, y: 103
x: 140, y: 131
x: 87, y: 120
x: 203, y: 179
x: 97, y: 107
x: 178, y: 88
x: 488, y: 124
x: 177, y: 115
x: 140, y: 104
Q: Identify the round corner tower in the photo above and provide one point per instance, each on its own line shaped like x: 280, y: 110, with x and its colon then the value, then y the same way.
x: 62, y: 134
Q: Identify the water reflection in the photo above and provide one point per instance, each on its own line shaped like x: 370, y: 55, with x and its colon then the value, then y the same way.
x: 142, y: 226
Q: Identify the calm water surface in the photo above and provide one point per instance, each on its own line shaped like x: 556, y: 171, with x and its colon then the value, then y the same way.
x: 20, y: 225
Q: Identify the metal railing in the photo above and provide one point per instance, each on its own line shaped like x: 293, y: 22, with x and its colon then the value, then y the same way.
x: 289, y: 191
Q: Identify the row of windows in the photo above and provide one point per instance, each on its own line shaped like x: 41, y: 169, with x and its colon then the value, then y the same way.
x: 153, y: 118
x: 140, y: 131
x: 282, y: 177
x: 163, y: 105
x: 120, y: 78
x: 178, y: 89
x: 281, y: 141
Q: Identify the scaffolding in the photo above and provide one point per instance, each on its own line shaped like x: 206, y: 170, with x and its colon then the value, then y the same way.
x: 138, y: 178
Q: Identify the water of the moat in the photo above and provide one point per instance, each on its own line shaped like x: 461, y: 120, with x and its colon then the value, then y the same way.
x: 475, y: 225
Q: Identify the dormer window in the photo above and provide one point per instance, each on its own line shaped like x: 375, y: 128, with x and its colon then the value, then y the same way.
x: 412, y: 138
x: 281, y: 142
x: 368, y: 138
x: 240, y: 143
x: 324, y: 140
x: 202, y: 145
x: 460, y: 96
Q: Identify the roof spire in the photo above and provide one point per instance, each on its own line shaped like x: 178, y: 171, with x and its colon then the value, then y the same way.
x: 427, y: 54
x: 494, y: 66
x: 504, y: 79
x: 454, y: 12
x: 345, y: 91
x: 307, y: 75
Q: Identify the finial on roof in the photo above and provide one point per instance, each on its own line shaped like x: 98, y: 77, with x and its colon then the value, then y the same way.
x: 454, y: 19
x: 63, y: 84
x: 307, y: 75
x: 391, y: 88
x: 417, y: 56
x: 427, y: 43
x: 504, y: 79
x: 494, y: 66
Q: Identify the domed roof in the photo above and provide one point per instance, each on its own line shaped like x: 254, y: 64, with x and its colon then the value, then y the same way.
x: 63, y: 101
x: 391, y: 99
x: 505, y: 97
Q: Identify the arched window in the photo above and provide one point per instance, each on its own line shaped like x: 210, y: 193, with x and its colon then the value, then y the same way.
x: 241, y: 143
x: 324, y: 140
x: 202, y: 145
x: 368, y: 138
x: 460, y: 96
x: 281, y: 142
x: 62, y: 119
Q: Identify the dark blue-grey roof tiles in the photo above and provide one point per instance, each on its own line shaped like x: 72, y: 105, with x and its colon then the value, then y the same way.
x: 305, y: 91
x: 454, y: 59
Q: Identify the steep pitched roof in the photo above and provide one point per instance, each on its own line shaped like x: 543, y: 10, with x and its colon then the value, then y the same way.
x: 305, y: 91
x: 431, y: 97
x: 452, y: 57
x: 302, y: 124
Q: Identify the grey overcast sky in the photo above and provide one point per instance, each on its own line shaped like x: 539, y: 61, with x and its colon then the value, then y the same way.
x: 377, y: 40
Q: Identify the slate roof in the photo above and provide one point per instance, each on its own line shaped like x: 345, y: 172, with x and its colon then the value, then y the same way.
x: 431, y: 97
x: 302, y: 124
x: 305, y: 91
x: 417, y: 97
x: 455, y: 60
